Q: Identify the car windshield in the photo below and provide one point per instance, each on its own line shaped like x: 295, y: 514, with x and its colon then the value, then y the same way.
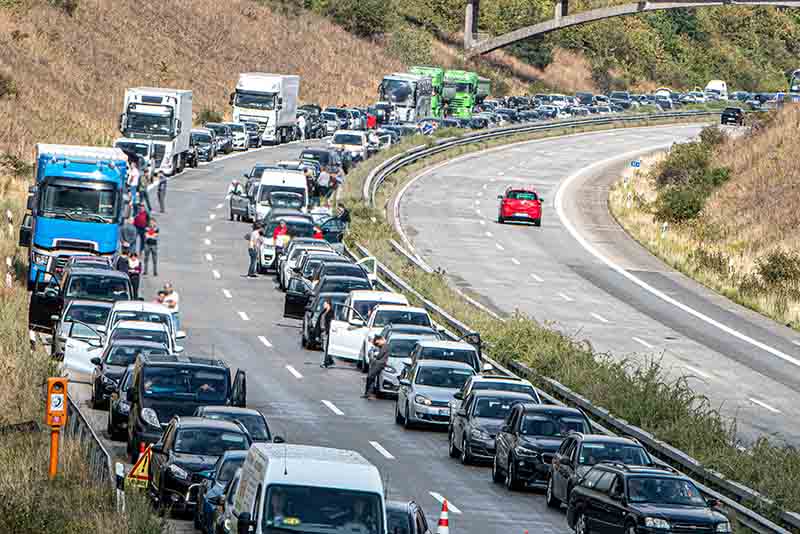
x: 149, y: 317
x: 227, y: 469
x: 348, y: 139
x: 442, y: 377
x: 343, y: 286
x: 401, y: 348
x: 593, y: 453
x: 285, y: 199
x: 451, y: 355
x: 397, y: 91
x: 237, y: 127
x: 509, y: 385
x: 254, y: 423
x: 313, y: 510
x: 522, y: 195
x: 265, y: 192
x: 344, y: 269
x: 550, y: 425
x: 254, y: 100
x: 294, y: 228
x: 98, y: 288
x: 384, y: 317
x: 201, y: 138
x: 493, y: 407
x: 86, y: 313
x: 209, y: 385
x: 364, y: 307
x: 328, y: 116
x: 664, y: 490
x: 125, y: 355
x: 209, y: 441
x: 78, y: 203
x: 156, y: 336
x: 131, y: 146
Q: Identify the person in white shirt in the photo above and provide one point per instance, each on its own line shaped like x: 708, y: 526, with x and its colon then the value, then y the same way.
x: 133, y: 180
x: 173, y: 301
x: 301, y: 123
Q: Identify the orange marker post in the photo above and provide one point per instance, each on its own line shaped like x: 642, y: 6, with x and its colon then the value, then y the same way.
x: 56, y: 415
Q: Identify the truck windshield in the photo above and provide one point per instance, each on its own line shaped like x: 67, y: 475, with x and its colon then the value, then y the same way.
x: 138, y: 148
x: 313, y: 510
x: 397, y: 91
x: 62, y: 201
x: 245, y: 99
x: 460, y: 87
x: 155, y: 123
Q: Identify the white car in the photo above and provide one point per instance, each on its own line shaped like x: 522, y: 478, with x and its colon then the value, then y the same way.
x: 241, y: 139
x: 353, y: 141
x: 349, y: 326
x: 77, y: 335
x: 144, y: 330
x: 137, y: 310
x: 383, y: 315
x: 294, y: 257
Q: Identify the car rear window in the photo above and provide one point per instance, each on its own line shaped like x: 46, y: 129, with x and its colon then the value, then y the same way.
x: 522, y: 195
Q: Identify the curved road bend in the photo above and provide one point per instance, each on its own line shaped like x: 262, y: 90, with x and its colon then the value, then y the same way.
x: 240, y: 320
x: 747, y: 365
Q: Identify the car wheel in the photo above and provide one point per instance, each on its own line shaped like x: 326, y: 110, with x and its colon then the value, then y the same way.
x: 497, y: 476
x: 552, y: 502
x: 500, y: 220
x: 580, y: 524
x: 466, y: 457
x: 537, y: 222
x: 451, y: 446
x: 511, y: 476
x: 398, y: 418
x: 304, y: 339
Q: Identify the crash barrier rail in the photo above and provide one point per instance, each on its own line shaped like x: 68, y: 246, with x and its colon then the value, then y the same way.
x: 377, y: 176
x: 711, y: 482
x: 99, y: 461
x: 664, y: 454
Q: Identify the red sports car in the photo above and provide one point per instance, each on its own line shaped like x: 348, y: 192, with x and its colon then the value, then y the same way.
x: 520, y: 204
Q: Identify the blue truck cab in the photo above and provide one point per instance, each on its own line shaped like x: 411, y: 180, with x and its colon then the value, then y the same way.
x: 76, y: 207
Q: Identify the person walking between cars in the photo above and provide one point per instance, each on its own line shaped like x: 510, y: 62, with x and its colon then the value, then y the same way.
x: 128, y: 234
x: 253, y: 246
x: 162, y: 190
x: 140, y: 222
x: 323, y: 323
x: 324, y: 183
x: 135, y: 272
x: 144, y: 197
x: 376, y: 365
x: 151, y: 247
x: 123, y: 263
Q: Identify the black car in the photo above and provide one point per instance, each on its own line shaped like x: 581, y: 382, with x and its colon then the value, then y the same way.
x: 340, y: 269
x: 225, y: 504
x: 474, y: 426
x: 528, y: 440
x: 299, y: 293
x: 311, y: 336
x: 112, y: 364
x: 119, y: 407
x: 166, y: 386
x: 253, y: 135
x: 618, y: 498
x: 732, y: 116
x: 212, y: 489
x: 405, y: 518
x: 311, y: 259
x: 253, y: 420
x: 580, y: 452
x: 330, y: 260
x: 185, y: 456
x: 326, y: 158
x: 204, y: 144
x: 224, y: 135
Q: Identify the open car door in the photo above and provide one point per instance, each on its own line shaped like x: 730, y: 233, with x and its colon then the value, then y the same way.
x: 347, y: 331
x: 25, y: 230
x: 370, y: 265
x: 333, y: 230
x: 297, y: 294
x: 46, y: 303
x: 239, y: 389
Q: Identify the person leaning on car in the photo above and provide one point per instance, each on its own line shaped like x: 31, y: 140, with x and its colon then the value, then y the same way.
x: 377, y: 364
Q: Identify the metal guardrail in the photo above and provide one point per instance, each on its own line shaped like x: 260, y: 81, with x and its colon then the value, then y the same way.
x: 99, y: 461
x: 729, y: 493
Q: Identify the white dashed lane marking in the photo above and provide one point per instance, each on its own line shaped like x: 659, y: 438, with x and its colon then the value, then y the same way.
x: 537, y: 277
x: 216, y: 274
x: 764, y: 405
x: 378, y: 447
x: 208, y: 228
x: 332, y: 407
x: 642, y: 342
x: 599, y: 317
x: 227, y: 294
x: 206, y: 242
x: 265, y: 341
x: 499, y: 246
x: 515, y: 261
x: 566, y: 297
x: 244, y: 316
x: 294, y: 372
x: 209, y: 257
x: 698, y: 372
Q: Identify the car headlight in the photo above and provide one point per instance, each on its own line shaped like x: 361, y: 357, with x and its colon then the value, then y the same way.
x: 124, y: 408
x: 655, y: 522
x: 40, y: 259
x: 724, y: 527
x: 149, y: 416
x: 479, y: 433
x: 178, y: 472
x: 524, y: 451
x: 421, y: 399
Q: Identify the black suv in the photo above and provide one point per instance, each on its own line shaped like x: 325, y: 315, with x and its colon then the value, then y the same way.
x: 185, y: 456
x: 633, y: 500
x: 732, y: 116
x: 580, y: 452
x: 166, y: 386
x: 312, y: 336
x: 528, y: 440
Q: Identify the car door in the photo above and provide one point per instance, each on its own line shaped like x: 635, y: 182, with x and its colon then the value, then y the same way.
x: 26, y: 230
x: 347, y: 332
x: 158, y: 459
x: 502, y: 441
x: 239, y: 389
x: 46, y: 302
x: 370, y: 265
x: 297, y: 296
x: 459, y: 419
x: 598, y: 507
x: 333, y: 230
x: 562, y: 468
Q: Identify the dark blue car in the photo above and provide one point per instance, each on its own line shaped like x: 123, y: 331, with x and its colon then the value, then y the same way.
x: 214, y: 486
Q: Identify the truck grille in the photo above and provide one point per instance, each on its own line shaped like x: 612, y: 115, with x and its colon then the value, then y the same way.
x: 83, y: 246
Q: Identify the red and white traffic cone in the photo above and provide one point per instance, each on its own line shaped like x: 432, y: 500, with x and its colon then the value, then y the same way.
x: 444, y: 522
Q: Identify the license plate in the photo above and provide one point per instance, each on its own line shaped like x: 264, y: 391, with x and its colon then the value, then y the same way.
x: 520, y: 215
x: 444, y: 411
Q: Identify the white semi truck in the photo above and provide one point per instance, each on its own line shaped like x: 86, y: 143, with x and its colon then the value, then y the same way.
x: 160, y: 122
x: 270, y: 100
x: 410, y: 94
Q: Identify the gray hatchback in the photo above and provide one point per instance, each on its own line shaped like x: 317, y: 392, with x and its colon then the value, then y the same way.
x: 426, y: 390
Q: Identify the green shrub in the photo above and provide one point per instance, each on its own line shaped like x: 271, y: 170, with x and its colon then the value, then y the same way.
x: 678, y: 205
x: 715, y: 262
x: 361, y: 17
x: 684, y: 162
x: 8, y: 87
x: 712, y: 136
x: 67, y: 6
x: 411, y: 45
x: 779, y: 270
x: 209, y: 115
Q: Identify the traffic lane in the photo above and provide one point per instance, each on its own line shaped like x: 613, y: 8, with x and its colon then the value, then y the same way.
x: 445, y: 209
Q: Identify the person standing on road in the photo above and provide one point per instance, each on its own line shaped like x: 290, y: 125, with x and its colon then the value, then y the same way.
x: 301, y: 124
x: 173, y: 301
x: 151, y: 247
x: 377, y: 365
x: 162, y: 190
x: 254, y: 245
x: 140, y: 222
x: 323, y: 323
x: 144, y: 197
x: 133, y: 179
x: 128, y: 234
x: 135, y: 272
x: 123, y: 263
x: 324, y: 183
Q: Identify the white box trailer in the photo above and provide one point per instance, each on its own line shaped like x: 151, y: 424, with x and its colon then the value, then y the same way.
x: 269, y: 100
x: 163, y: 116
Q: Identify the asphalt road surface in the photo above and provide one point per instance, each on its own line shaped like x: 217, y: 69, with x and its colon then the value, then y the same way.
x: 746, y: 364
x: 240, y: 320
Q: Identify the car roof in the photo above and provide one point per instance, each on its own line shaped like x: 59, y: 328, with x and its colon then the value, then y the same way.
x: 387, y: 296
x: 97, y: 272
x: 179, y: 360
x: 141, y: 325
x: 339, y: 277
x: 133, y: 342
x: 550, y: 409
x: 523, y: 397
x: 230, y: 409
x: 405, y: 336
x: 446, y: 344
x: 445, y: 363
x: 497, y: 378
x: 529, y: 189
x: 603, y: 438
x: 94, y: 303
x: 140, y: 305
x: 205, y: 422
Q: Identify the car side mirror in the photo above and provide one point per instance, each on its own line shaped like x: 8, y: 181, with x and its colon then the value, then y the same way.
x: 180, y: 334
x: 96, y: 361
x: 458, y: 395
x: 487, y: 367
x: 244, y: 523
x: 712, y: 503
x: 278, y: 439
x: 355, y: 321
x: 94, y: 343
x: 101, y: 329
x: 179, y: 349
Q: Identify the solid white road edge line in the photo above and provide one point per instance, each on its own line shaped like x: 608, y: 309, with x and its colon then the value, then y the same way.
x: 566, y: 297
x: 764, y: 405
x: 698, y: 372
x: 294, y: 372
x: 332, y: 407
x: 227, y: 294
x: 642, y: 342
x: 559, y: 206
x: 599, y: 317
x: 265, y: 341
x: 378, y: 447
x: 450, y: 506
x: 243, y: 315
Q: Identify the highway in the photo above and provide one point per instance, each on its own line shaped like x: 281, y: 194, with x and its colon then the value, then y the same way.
x: 240, y: 320
x: 584, y: 275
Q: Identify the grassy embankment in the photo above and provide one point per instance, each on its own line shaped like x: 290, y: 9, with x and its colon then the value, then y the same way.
x: 638, y: 391
x: 737, y: 239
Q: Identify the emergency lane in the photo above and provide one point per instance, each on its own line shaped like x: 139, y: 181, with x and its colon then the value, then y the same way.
x: 568, y: 286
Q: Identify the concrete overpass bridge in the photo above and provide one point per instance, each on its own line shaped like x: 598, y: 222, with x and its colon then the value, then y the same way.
x: 562, y: 19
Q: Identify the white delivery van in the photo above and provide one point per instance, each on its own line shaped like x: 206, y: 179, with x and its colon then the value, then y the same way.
x: 280, y: 188
x: 718, y: 88
x: 299, y: 488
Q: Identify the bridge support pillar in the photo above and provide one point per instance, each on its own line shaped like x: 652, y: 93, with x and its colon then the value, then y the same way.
x: 471, y: 23
x: 562, y: 9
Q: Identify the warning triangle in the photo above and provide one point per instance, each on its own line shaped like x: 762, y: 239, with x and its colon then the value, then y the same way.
x: 141, y: 470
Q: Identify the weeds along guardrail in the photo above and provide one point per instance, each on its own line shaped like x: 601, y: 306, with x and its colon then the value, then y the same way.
x: 729, y: 493
x: 99, y: 461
